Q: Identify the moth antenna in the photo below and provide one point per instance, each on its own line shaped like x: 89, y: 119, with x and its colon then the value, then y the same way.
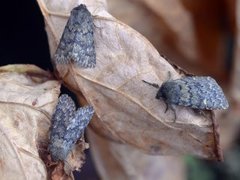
x: 169, y: 76
x: 152, y: 84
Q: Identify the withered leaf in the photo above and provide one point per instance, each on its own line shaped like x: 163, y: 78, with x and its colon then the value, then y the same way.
x: 28, y: 96
x: 121, y: 161
x: 177, y: 30
x: 126, y: 108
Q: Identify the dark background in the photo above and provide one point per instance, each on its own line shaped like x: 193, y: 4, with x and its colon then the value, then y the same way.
x: 23, y: 40
x: 22, y: 35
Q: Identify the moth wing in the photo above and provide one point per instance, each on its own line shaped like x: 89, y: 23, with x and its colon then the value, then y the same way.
x: 205, y: 93
x: 77, y: 41
x: 65, y: 109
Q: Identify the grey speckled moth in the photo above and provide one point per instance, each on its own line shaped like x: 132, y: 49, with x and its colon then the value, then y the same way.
x: 77, y: 41
x: 197, y: 92
x: 68, y: 125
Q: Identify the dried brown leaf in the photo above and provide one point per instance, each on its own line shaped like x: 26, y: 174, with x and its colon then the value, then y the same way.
x: 28, y: 96
x: 126, y: 108
x: 121, y: 161
x: 180, y: 30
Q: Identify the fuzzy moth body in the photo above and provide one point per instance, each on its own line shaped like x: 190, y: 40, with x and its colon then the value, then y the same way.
x: 68, y: 125
x: 198, y: 92
x: 77, y: 41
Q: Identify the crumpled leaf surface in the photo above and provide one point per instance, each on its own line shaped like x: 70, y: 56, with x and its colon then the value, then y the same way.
x: 167, y: 25
x: 120, y: 161
x: 126, y: 108
x: 180, y: 30
x: 28, y: 96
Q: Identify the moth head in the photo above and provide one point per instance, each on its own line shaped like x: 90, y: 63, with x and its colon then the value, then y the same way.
x: 161, y: 94
x: 164, y: 91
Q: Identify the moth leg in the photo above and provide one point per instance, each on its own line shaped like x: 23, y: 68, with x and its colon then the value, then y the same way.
x: 173, y: 108
x: 169, y: 76
x: 197, y: 111
x: 152, y: 84
x: 200, y: 112
x: 166, y: 108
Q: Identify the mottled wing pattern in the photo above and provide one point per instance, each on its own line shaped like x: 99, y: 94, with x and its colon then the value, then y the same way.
x: 75, y: 128
x: 195, y: 92
x: 209, y: 92
x: 65, y: 110
x: 67, y: 127
x: 77, y: 41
